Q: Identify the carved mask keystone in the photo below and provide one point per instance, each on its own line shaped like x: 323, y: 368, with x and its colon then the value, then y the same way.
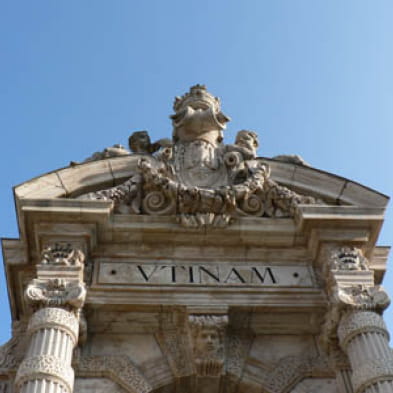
x: 208, y: 337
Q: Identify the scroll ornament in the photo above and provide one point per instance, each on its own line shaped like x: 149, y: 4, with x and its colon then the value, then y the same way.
x: 198, y: 178
x: 56, y: 293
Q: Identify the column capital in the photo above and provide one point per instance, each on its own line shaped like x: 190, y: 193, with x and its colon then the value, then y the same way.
x: 56, y: 293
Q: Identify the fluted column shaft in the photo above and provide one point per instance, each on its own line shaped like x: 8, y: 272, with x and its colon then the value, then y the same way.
x: 364, y: 338
x: 47, y: 365
x: 344, y: 381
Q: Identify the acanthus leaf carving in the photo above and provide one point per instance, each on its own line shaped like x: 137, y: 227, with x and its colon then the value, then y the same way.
x: 362, y: 297
x: 197, y: 178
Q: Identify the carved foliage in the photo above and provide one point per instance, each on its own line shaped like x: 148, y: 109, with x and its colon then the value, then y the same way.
x: 344, y: 298
x: 53, y: 317
x: 354, y: 323
x: 371, y: 372
x: 174, y: 342
x: 56, y: 292
x: 290, y: 369
x: 238, y: 347
x: 208, y: 343
x: 118, y: 368
x: 199, y: 179
x: 12, y: 352
x: 362, y: 297
x: 63, y: 254
x: 45, y: 365
x: 348, y: 258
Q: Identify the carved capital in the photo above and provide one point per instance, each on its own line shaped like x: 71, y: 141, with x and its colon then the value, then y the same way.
x: 361, y: 297
x: 56, y: 293
x: 207, y: 333
x: 354, y: 323
x: 45, y: 367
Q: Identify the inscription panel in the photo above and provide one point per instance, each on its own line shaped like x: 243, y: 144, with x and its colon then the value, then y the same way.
x: 197, y: 274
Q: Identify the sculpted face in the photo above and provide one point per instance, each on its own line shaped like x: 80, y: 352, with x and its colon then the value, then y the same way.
x: 207, y: 340
x: 198, y: 115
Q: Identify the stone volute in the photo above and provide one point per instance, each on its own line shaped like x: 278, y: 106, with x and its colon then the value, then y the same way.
x: 192, y: 265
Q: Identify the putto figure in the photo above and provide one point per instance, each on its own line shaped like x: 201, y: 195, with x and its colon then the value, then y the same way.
x: 198, y: 178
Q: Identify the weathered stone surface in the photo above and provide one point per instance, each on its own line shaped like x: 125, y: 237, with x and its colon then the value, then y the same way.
x: 270, y: 284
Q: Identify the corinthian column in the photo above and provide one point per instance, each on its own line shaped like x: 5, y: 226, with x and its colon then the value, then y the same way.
x: 54, y: 325
x: 364, y: 337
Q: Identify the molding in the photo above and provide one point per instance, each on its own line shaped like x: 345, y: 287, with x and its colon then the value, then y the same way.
x: 119, y: 369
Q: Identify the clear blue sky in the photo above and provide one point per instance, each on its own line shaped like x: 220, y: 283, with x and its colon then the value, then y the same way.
x: 313, y: 77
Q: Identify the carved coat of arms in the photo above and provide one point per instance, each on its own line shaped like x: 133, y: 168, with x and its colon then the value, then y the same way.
x: 195, y: 176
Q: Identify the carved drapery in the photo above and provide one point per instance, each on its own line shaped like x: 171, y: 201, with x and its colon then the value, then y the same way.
x: 54, y: 326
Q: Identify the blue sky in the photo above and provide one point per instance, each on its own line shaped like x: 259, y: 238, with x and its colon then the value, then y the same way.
x: 311, y: 77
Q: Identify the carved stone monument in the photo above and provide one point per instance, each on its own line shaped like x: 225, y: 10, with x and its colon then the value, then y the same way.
x: 189, y: 265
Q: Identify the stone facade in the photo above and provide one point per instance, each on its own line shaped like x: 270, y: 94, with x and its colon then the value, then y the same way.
x: 190, y: 265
